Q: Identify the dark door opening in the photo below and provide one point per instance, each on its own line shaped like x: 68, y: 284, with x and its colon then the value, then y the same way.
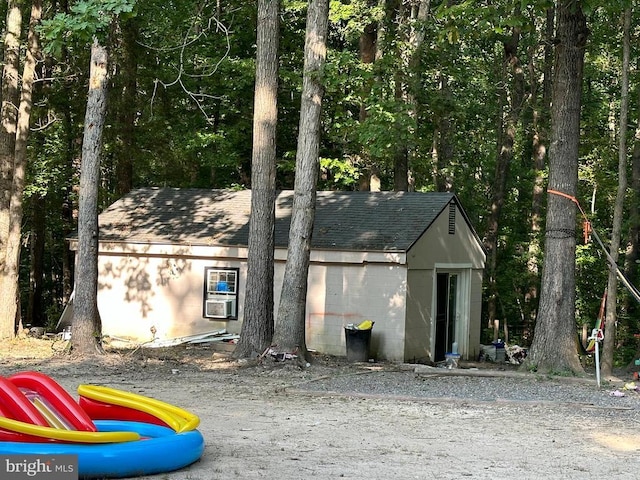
x: 446, y: 294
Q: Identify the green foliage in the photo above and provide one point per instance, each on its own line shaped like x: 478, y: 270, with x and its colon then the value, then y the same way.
x: 87, y: 19
x: 338, y: 174
x: 350, y: 18
x: 591, y: 282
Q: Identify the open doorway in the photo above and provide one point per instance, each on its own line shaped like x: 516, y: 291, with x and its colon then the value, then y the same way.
x: 451, y: 310
x: 446, y: 313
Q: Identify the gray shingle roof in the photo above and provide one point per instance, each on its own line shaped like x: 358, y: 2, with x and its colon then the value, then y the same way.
x: 356, y: 221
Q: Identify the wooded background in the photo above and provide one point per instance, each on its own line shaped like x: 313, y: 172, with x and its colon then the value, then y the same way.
x: 419, y: 95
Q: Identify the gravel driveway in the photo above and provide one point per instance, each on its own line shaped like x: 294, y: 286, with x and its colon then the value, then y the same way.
x: 477, y: 386
x: 373, y: 421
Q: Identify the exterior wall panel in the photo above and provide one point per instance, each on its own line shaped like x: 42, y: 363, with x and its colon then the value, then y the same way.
x: 136, y: 293
x: 438, y: 245
x: 419, y: 316
x: 343, y: 294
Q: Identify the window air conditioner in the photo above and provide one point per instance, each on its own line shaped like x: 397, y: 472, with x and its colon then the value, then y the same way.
x: 218, y: 308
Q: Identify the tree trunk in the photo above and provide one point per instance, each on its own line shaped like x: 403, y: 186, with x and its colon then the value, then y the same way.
x: 11, y: 290
x: 35, y: 312
x: 86, y: 327
x: 540, y: 139
x: 367, y: 50
x: 632, y: 266
x: 632, y: 255
x: 554, y: 342
x: 609, y: 343
x: 9, y: 115
x: 398, y: 17
x: 67, y: 205
x: 126, y: 145
x: 513, y: 76
x: 401, y: 169
x: 289, y: 333
x: 441, y: 148
x: 401, y: 151
x: 257, y: 324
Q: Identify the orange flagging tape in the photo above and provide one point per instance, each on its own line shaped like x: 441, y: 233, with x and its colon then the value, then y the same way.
x: 570, y: 197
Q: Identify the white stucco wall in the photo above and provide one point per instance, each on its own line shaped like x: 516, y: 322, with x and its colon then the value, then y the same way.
x: 160, y: 286
x: 137, y: 292
x: 343, y: 294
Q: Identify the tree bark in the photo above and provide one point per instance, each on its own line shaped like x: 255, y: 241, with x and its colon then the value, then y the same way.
x: 398, y: 15
x: 512, y: 100
x: 67, y: 205
x: 127, y: 107
x: 632, y: 254
x: 539, y: 154
x: 86, y: 326
x: 367, y: 51
x: 554, y: 342
x: 258, y: 317
x: 401, y: 151
x: 611, y: 317
x: 8, y: 119
x: 35, y: 311
x: 289, y: 333
x: 11, y: 290
x: 441, y: 148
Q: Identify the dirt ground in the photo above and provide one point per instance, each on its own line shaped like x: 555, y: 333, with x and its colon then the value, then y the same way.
x: 259, y: 423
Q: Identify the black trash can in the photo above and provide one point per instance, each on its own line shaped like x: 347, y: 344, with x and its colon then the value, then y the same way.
x: 358, y: 344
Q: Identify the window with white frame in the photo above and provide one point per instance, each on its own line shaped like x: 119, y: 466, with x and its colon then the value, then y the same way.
x: 220, y: 293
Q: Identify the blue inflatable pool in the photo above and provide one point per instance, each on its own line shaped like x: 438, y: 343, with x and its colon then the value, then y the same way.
x: 159, y: 450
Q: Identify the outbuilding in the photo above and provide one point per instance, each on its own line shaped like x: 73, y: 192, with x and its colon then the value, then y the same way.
x: 173, y: 263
